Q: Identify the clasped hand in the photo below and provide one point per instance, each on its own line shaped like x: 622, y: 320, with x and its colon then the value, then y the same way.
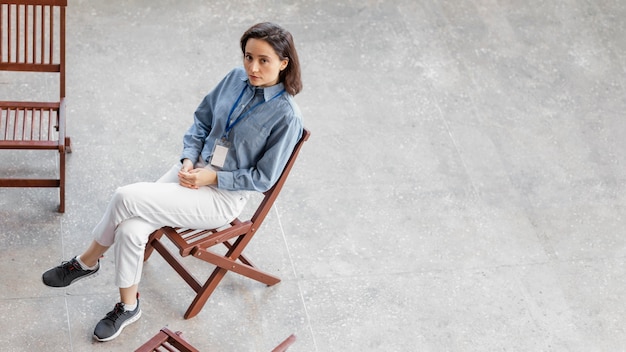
x: 195, y: 178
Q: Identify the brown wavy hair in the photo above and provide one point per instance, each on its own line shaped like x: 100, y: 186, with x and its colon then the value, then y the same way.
x: 282, y: 43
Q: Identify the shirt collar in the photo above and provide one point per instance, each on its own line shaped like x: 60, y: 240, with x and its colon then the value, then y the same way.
x: 268, y: 92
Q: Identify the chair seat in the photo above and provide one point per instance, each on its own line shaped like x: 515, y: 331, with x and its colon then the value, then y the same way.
x: 35, y: 126
x: 30, y: 125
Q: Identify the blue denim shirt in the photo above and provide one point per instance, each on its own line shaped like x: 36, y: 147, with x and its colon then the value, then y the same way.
x: 261, y: 142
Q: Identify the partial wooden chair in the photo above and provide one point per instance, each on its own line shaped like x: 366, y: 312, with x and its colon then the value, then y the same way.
x: 285, y: 344
x: 32, y: 39
x: 166, y: 340
x: 196, y: 242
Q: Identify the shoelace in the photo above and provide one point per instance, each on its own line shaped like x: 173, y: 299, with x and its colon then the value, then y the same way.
x: 69, y: 266
x: 116, y: 312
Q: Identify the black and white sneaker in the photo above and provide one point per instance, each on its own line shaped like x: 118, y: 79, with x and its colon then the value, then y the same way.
x: 115, y: 321
x: 66, y: 274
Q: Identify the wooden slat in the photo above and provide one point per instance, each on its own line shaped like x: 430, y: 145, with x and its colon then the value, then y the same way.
x: 1, y: 32
x: 51, y: 125
x: 42, y: 35
x: 51, y: 34
x: 42, y: 145
x: 9, y: 36
x: 28, y: 105
x: 26, y: 37
x: 29, y: 67
x: 36, y: 2
x: 34, y: 42
x: 29, y: 182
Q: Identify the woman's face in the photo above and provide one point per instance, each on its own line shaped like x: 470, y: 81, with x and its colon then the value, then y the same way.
x: 262, y: 64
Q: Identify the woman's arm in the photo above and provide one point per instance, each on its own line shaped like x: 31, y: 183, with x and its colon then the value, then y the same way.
x: 204, y: 116
x: 193, y: 140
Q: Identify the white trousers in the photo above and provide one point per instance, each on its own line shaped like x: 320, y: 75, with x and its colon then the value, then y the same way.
x: 136, y: 210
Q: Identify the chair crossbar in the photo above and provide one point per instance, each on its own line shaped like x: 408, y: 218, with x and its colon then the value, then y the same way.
x: 29, y: 182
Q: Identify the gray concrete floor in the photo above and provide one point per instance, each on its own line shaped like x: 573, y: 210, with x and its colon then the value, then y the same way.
x: 463, y: 189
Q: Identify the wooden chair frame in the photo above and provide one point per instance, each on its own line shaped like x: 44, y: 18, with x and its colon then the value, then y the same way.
x: 196, y: 242
x: 32, y: 39
x: 167, y: 340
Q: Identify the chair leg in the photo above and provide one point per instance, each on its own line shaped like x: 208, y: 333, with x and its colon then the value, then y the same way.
x: 67, y: 148
x: 68, y: 145
x: 285, y: 344
x: 205, y: 292
x: 223, y: 266
x: 155, y: 236
x: 177, y: 265
x: 61, y: 181
x: 202, y: 291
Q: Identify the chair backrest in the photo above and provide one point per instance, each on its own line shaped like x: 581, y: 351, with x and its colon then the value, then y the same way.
x: 32, y: 37
x: 270, y: 195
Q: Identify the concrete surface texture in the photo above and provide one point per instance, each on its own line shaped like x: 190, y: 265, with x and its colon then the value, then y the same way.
x: 463, y: 189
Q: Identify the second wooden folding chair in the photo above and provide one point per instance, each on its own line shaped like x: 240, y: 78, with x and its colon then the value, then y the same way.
x: 32, y: 41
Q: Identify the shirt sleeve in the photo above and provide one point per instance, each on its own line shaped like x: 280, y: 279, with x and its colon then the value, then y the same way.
x: 262, y: 176
x: 193, y: 140
x: 196, y: 136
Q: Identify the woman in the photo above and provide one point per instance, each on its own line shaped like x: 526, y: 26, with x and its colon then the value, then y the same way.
x: 242, y: 136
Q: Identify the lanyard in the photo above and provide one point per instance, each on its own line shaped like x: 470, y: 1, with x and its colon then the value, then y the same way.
x: 230, y: 125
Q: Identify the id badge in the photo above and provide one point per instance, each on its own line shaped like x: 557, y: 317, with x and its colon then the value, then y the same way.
x: 220, y: 150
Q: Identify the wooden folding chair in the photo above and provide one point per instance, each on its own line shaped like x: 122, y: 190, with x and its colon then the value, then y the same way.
x: 166, y: 340
x: 196, y: 242
x: 32, y: 39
